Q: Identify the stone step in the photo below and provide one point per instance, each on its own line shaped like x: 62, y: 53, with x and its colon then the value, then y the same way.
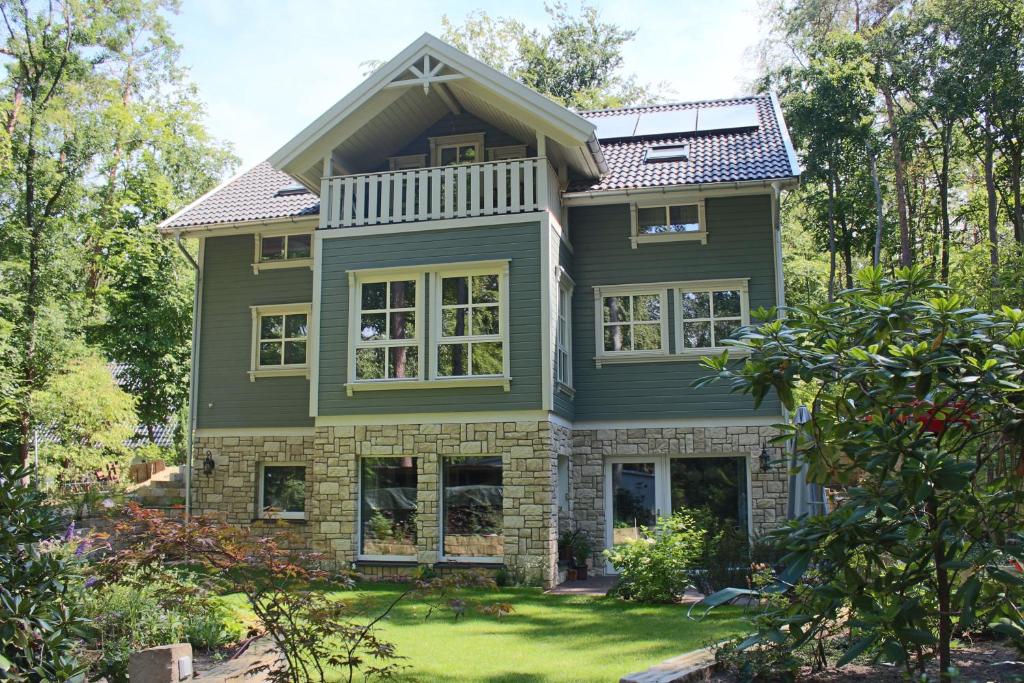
x: 692, y: 666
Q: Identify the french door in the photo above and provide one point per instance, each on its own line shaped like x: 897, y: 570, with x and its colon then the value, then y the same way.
x: 639, y: 490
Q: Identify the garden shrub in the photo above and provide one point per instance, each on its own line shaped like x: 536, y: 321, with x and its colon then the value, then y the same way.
x: 657, y: 566
x: 38, y: 619
x: 142, y: 609
x: 726, y: 556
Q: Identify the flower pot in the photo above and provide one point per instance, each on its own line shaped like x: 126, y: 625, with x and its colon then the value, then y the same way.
x: 571, y: 574
x: 581, y: 573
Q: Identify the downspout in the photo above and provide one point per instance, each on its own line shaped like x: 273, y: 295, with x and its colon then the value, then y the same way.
x: 780, y: 285
x: 192, y: 407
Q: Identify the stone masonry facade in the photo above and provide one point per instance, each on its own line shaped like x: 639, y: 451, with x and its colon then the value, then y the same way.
x: 530, y: 453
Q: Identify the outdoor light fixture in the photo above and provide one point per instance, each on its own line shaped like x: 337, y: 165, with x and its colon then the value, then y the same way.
x: 208, y: 464
x: 766, y: 461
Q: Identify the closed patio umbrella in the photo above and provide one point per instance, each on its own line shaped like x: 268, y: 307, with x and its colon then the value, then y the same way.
x: 805, y: 498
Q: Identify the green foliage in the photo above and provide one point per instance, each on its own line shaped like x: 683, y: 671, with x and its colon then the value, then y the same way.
x: 148, y: 609
x: 576, y: 61
x: 656, y: 567
x: 38, y: 619
x: 918, y: 413
x: 89, y: 416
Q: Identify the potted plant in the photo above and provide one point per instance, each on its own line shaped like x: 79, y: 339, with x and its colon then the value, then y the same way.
x: 582, y: 550
x: 565, y: 544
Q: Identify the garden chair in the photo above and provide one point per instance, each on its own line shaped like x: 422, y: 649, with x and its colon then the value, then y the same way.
x: 783, y: 583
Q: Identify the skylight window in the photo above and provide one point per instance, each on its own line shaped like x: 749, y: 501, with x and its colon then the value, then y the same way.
x: 667, y: 153
x: 292, y: 188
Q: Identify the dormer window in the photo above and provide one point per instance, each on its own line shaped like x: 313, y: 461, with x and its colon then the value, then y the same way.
x: 668, y: 222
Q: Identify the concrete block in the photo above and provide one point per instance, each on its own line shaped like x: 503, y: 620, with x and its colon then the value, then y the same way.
x: 158, y: 664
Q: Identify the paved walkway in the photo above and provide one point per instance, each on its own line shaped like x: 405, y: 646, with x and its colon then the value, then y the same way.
x: 592, y: 585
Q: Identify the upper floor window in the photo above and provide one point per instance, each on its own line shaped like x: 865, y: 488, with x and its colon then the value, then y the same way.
x: 471, y: 339
x: 563, y: 331
x: 280, y: 336
x: 710, y: 313
x: 632, y: 322
x: 387, y: 340
x: 283, y: 251
x: 668, y: 222
x: 450, y: 150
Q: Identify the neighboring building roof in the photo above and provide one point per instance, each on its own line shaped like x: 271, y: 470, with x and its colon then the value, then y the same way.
x: 251, y: 196
x: 736, y: 155
x: 743, y: 154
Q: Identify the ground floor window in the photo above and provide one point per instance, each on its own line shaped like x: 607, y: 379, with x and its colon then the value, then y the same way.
x: 472, y: 511
x: 282, y: 491
x: 387, y: 509
x: 716, y: 484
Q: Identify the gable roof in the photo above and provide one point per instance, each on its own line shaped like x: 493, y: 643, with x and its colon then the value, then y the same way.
x: 254, y: 195
x: 736, y: 155
x: 442, y: 65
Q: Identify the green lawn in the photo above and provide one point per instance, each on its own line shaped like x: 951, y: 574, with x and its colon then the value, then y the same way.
x: 548, y: 638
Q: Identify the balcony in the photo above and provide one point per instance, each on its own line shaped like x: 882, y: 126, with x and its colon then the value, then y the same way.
x: 490, y: 188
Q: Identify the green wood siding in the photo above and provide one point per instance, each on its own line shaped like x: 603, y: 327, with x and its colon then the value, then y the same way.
x: 739, y: 246
x: 227, y: 399
x: 459, y: 124
x: 520, y: 243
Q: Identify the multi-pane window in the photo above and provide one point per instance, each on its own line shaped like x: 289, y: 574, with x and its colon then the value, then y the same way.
x: 662, y: 220
x: 709, y: 317
x: 282, y: 339
x: 470, y: 338
x: 282, y: 491
x: 632, y: 322
x: 472, y: 525
x: 387, y: 498
x: 285, y: 247
x: 387, y: 346
x: 563, y: 336
x: 450, y: 155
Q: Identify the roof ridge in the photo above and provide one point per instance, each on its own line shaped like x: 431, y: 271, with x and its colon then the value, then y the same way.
x: 637, y: 107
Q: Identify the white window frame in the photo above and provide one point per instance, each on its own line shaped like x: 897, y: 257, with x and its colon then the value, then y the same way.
x: 499, y: 268
x: 259, y: 264
x: 740, y: 284
x: 637, y: 238
x: 600, y: 292
x: 437, y: 144
x: 260, y: 514
x: 563, y: 341
x: 454, y: 559
x: 356, y: 281
x: 255, y: 369
x: 359, y: 511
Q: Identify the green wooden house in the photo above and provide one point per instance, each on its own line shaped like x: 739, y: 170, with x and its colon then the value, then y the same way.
x: 451, y: 319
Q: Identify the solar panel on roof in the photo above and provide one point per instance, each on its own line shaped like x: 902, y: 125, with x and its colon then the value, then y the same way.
x: 728, y: 117
x: 665, y: 122
x: 619, y: 126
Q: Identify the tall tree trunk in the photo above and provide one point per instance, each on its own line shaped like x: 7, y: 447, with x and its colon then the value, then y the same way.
x: 943, y: 593
x: 906, y: 255
x: 993, y: 208
x: 31, y: 310
x: 1018, y: 211
x: 844, y: 230
x: 831, y: 240
x: 943, y: 180
x: 876, y: 255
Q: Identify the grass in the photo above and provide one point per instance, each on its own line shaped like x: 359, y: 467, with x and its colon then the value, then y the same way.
x: 548, y: 639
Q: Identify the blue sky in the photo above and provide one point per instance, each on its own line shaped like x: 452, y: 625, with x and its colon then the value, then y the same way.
x: 266, y: 68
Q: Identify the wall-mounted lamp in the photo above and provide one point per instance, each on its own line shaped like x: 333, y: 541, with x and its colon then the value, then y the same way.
x: 766, y: 460
x: 208, y: 464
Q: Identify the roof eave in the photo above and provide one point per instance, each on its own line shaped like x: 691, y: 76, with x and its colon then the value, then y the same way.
x: 615, y: 196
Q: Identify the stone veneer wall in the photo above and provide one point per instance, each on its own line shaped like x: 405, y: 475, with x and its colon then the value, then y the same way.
x: 331, y: 457
x: 769, y: 496
x: 529, y: 453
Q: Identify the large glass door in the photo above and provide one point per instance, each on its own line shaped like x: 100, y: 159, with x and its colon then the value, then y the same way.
x: 640, y: 490
x: 634, y: 498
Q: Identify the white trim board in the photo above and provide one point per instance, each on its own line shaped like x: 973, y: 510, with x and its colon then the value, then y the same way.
x: 213, y: 432
x: 431, y: 418
x: 430, y: 225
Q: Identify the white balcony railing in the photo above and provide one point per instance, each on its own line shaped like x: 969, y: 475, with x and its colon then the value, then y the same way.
x: 423, y: 194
